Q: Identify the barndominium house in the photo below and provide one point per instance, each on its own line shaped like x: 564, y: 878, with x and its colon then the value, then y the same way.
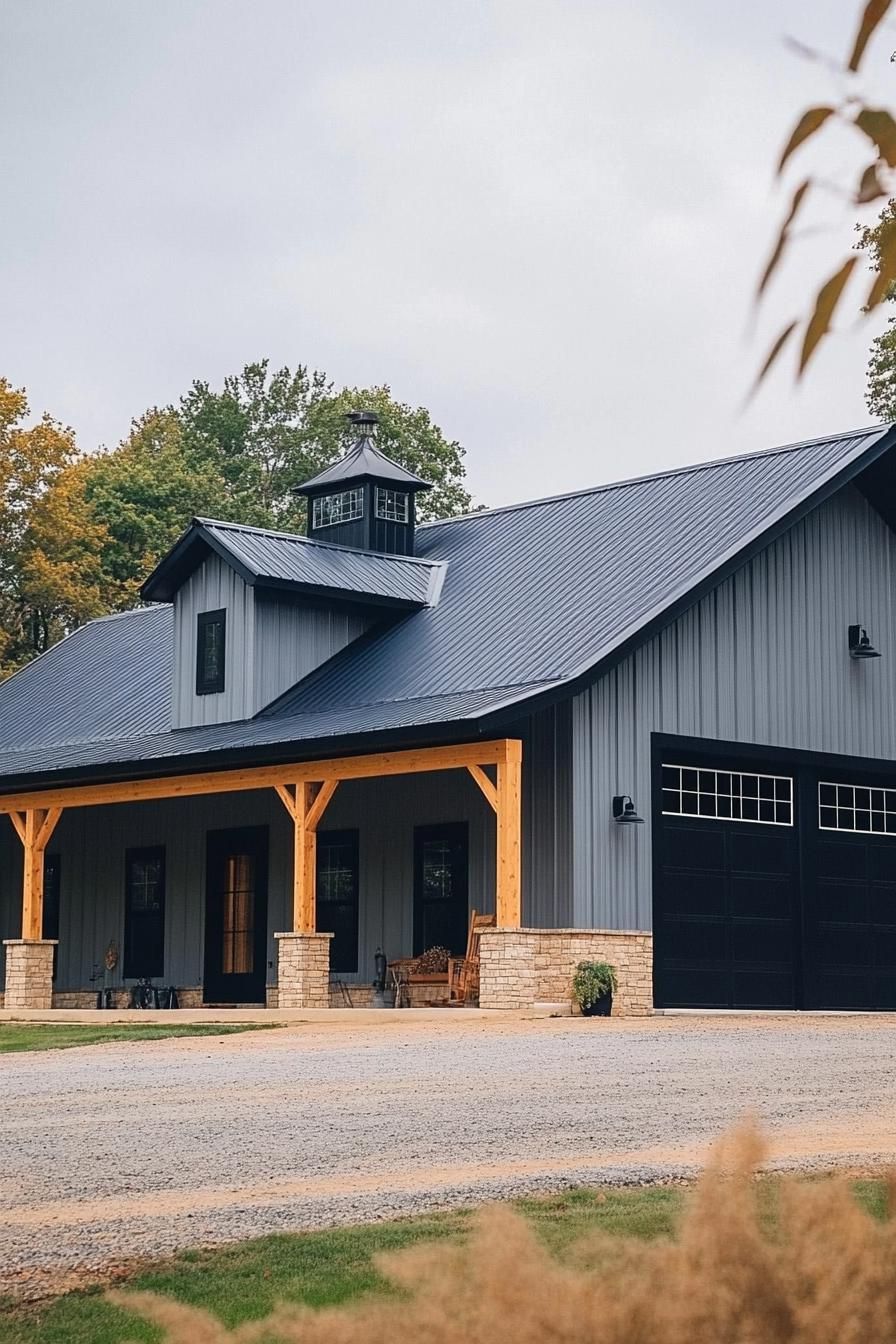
x: 304, y: 748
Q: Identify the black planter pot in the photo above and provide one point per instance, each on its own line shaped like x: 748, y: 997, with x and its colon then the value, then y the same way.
x: 600, y: 1007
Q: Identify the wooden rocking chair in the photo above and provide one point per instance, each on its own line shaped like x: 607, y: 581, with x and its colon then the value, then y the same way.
x: 463, y: 972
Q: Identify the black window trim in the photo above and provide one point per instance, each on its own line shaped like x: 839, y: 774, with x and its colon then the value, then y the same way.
x: 130, y: 972
x: 204, y: 619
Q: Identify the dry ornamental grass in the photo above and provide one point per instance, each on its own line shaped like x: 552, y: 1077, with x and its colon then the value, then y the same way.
x: 826, y: 1273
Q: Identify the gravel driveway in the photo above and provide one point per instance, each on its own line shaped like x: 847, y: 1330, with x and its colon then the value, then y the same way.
x: 116, y: 1151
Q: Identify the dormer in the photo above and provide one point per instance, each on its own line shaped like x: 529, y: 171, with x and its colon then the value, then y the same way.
x: 365, y: 499
x: 256, y: 611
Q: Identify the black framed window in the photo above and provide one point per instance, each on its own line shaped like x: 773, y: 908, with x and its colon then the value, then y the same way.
x: 211, y: 638
x: 52, y: 884
x: 144, y: 915
x: 337, y: 896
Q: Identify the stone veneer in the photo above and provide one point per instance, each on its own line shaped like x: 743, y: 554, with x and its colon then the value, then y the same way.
x: 303, y: 970
x: 189, y: 997
x: 521, y: 967
x: 29, y: 972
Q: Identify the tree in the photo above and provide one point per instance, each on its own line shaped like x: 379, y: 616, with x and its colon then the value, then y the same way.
x: 264, y: 433
x: 873, y: 181
x: 31, y: 461
x: 880, y: 393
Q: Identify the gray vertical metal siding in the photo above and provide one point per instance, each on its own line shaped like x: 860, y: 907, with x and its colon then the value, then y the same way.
x: 92, y: 842
x: 293, y: 638
x: 212, y: 586
x: 271, y: 644
x: 762, y: 659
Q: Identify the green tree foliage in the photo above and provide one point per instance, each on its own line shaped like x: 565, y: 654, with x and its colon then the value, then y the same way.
x: 264, y: 433
x: 880, y: 392
x: 80, y: 533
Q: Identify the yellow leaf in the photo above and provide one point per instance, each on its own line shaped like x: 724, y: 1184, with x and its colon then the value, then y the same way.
x: 870, y: 188
x: 778, y: 249
x: 825, y: 303
x: 880, y: 128
x: 772, y: 356
x: 810, y: 122
x: 875, y: 10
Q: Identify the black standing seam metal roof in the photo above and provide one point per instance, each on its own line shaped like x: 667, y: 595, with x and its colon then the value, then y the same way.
x: 283, y: 560
x: 364, y: 462
x: 534, y: 598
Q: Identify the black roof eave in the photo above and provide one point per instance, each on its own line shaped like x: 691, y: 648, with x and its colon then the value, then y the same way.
x: 227, y: 758
x: 184, y: 558
x: 710, y: 579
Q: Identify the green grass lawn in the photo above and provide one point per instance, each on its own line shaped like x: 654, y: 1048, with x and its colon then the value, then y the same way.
x: 243, y: 1282
x: 16, y: 1036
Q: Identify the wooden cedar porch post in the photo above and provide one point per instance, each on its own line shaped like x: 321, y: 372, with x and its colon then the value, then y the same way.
x: 29, y: 959
x: 505, y: 799
x: 508, y: 893
x: 303, y: 958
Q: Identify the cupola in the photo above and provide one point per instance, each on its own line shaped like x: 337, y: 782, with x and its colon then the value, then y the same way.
x: 365, y: 499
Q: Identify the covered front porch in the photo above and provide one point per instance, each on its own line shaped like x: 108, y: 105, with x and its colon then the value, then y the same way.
x: 264, y: 885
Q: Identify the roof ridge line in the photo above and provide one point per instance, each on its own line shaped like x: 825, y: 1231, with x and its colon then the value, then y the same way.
x: 684, y: 470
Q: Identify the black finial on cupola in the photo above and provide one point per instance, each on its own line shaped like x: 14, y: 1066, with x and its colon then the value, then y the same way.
x: 365, y: 499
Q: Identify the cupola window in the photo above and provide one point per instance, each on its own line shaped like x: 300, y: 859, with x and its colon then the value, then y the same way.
x: 341, y: 508
x: 392, y: 505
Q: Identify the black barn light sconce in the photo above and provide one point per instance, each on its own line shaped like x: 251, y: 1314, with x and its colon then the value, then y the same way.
x: 624, y: 813
x: 860, y: 645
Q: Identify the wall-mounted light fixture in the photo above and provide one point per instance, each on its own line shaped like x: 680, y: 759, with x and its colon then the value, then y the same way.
x: 624, y: 813
x: 860, y: 645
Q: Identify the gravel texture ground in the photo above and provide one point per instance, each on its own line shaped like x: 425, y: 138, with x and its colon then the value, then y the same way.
x: 120, y: 1151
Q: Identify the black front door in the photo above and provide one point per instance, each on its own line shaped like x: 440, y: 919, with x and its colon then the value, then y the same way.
x: 441, y: 887
x: 236, y: 902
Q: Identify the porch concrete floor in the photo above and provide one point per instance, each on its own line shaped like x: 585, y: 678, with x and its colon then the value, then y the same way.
x: 120, y: 1151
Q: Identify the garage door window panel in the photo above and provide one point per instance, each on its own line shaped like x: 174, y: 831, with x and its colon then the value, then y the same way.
x: 727, y: 795
x: 857, y: 808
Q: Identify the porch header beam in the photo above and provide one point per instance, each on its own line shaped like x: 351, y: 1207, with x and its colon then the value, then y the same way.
x: 404, y: 762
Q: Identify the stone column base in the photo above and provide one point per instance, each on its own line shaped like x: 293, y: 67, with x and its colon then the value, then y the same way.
x: 29, y: 972
x: 521, y: 967
x: 303, y: 970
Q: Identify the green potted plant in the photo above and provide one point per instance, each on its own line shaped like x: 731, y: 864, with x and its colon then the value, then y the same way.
x: 593, y: 985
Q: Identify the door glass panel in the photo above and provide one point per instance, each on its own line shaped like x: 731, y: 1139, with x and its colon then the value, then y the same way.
x: 442, y: 884
x: 239, y: 908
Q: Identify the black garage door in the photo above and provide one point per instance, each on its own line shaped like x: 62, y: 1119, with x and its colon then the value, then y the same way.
x: 774, y: 888
x: 726, y: 908
x: 849, y: 949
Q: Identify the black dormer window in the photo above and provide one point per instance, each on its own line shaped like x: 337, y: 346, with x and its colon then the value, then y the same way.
x: 341, y: 508
x: 392, y: 505
x: 210, y: 643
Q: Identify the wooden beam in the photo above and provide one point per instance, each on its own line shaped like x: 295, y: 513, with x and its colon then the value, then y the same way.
x: 485, y: 784
x: 18, y: 821
x: 304, y: 865
x: 508, y: 900
x: 319, y: 805
x: 33, y: 876
x: 411, y: 761
x: 287, y: 797
x: 50, y: 822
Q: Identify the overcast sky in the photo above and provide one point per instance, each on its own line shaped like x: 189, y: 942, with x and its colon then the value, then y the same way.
x: 542, y: 220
